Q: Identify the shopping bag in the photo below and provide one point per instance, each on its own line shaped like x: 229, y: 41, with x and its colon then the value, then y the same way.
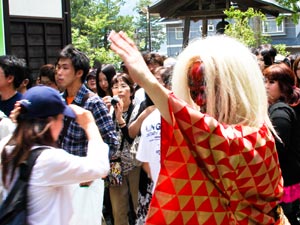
x: 87, y: 204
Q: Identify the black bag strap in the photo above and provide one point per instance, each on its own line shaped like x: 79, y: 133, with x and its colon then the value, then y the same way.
x: 26, y: 167
x: 7, y: 210
x: 130, y: 109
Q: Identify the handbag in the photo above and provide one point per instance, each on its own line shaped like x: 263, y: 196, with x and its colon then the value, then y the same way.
x: 114, y: 177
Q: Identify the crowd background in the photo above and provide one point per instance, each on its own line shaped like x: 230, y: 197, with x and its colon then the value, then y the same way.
x: 130, y: 123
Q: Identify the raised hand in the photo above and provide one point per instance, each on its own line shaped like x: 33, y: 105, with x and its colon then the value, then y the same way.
x: 139, y: 72
x: 127, y: 50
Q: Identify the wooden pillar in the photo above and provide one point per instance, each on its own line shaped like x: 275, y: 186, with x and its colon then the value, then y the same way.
x: 204, y: 27
x: 186, y: 31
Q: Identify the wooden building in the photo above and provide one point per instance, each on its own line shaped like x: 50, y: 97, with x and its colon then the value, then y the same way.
x: 35, y: 30
x: 195, y: 10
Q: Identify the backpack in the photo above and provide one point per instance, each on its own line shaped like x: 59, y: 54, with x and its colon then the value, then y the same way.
x: 13, y: 210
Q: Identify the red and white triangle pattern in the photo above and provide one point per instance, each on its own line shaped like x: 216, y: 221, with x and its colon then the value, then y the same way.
x: 241, y: 161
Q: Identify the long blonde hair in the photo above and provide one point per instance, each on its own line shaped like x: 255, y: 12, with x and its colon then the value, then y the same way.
x: 235, y: 91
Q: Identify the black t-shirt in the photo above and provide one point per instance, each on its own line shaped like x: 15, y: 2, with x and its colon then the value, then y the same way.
x: 7, y: 106
x: 286, y: 121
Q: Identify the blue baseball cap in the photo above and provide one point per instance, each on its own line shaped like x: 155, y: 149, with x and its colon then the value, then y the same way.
x: 43, y: 101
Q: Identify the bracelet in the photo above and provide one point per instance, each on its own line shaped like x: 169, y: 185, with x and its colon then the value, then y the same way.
x: 121, y: 124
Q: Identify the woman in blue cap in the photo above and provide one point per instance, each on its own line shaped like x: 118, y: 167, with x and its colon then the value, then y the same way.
x: 39, y: 123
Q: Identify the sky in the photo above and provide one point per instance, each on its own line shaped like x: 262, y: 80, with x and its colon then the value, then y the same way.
x: 127, y: 9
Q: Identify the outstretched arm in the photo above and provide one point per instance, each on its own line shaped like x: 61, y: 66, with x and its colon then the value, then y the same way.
x: 139, y: 72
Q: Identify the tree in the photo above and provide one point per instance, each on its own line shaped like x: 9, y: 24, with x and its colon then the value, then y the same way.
x: 240, y: 26
x: 143, y: 23
x: 92, y: 20
x: 293, y: 5
x: 246, y: 27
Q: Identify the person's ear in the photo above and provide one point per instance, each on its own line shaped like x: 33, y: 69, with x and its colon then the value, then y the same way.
x: 10, y: 78
x: 25, y: 82
x: 79, y: 73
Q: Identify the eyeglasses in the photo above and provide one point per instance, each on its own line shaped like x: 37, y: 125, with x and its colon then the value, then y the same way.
x: 122, y: 86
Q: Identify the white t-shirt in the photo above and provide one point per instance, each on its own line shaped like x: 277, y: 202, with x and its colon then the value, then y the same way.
x: 139, y: 96
x: 149, y: 146
x: 6, y: 126
x: 53, y: 178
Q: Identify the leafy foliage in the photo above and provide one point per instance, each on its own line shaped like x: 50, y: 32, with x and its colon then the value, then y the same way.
x: 92, y: 20
x: 246, y: 27
x: 294, y: 6
x: 241, y: 26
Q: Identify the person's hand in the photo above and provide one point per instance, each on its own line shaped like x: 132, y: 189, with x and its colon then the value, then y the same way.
x: 139, y: 71
x: 15, y: 112
x: 118, y: 108
x: 87, y: 122
x: 83, y: 117
x: 107, y: 101
x: 129, y: 53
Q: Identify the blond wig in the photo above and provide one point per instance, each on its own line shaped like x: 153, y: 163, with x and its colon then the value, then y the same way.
x: 235, y: 91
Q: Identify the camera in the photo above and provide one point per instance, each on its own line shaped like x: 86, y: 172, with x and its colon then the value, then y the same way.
x: 114, y: 100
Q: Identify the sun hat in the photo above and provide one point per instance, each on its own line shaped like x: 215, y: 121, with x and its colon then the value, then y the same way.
x: 92, y: 73
x: 43, y: 101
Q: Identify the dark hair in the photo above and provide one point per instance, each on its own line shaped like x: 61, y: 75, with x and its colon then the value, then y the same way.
x: 47, y: 70
x: 295, y: 65
x: 26, y: 134
x: 268, y: 53
x: 127, y: 79
x: 80, y: 60
x: 286, y: 81
x: 109, y: 71
x: 221, y: 26
x: 15, y: 67
x: 165, y: 73
x: 153, y: 58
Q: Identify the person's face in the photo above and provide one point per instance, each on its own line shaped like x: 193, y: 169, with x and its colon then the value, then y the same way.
x: 298, y: 70
x: 158, y: 77
x: 273, y: 90
x: 153, y: 66
x: 5, y: 81
x: 122, y: 90
x: 91, y: 82
x: 261, y: 62
x: 103, y: 83
x: 65, y: 73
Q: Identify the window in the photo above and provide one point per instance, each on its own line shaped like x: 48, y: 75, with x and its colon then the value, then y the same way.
x: 269, y: 26
x: 209, y: 27
x: 179, y: 33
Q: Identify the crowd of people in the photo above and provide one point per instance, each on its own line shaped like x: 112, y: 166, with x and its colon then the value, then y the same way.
x: 211, y: 137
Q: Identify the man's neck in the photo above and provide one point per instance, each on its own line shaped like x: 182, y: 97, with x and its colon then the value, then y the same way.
x: 73, y: 89
x: 7, y: 94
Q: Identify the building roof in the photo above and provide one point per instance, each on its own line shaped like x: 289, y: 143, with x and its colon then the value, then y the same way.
x: 212, y: 9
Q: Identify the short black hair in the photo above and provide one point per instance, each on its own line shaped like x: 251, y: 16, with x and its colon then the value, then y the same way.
x: 80, y: 60
x: 16, y: 67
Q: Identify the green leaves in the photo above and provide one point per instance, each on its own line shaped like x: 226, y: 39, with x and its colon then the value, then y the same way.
x: 92, y: 20
x: 246, y: 26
